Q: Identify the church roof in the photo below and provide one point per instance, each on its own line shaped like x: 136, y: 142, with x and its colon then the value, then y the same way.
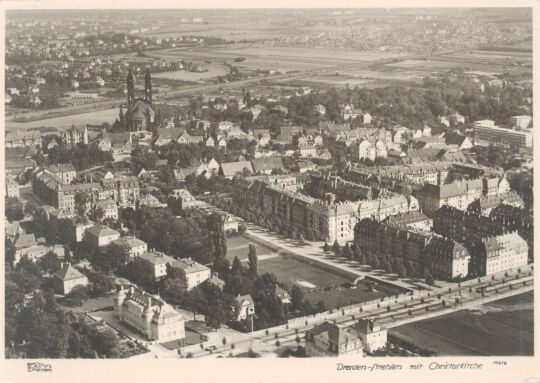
x: 140, y: 108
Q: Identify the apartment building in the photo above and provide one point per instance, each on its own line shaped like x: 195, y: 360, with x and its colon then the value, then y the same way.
x: 502, y: 253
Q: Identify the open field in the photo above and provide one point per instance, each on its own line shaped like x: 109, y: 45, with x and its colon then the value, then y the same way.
x: 238, y: 247
x: 342, y: 297
x: 61, y: 123
x: 504, y: 327
x: 214, y: 70
x: 268, y: 57
x: 291, y: 271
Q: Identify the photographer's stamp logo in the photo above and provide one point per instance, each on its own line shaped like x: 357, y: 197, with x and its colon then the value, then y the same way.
x: 38, y: 367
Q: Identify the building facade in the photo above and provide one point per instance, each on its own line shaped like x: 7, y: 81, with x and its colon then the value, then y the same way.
x: 501, y: 253
x: 150, y: 315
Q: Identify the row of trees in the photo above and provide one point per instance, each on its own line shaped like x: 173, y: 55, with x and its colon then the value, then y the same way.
x: 390, y: 264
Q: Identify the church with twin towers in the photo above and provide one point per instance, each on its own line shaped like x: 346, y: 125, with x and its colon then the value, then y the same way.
x: 140, y: 114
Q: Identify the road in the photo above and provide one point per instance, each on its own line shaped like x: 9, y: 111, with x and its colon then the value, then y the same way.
x: 391, y: 312
x: 314, y: 252
x: 418, y: 304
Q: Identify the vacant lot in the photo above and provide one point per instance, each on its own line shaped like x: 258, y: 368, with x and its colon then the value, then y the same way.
x: 505, y: 327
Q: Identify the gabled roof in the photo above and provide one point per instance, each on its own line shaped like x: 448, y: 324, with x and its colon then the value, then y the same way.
x: 268, y: 163
x: 169, y: 133
x: 280, y: 291
x: 233, y: 168
x: 455, y: 139
x: 140, y: 108
x: 117, y: 139
x: 245, y: 298
x: 25, y: 240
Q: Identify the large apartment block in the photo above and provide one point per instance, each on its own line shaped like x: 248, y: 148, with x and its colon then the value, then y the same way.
x: 495, y: 135
x: 501, y: 253
x: 53, y: 190
x: 445, y: 258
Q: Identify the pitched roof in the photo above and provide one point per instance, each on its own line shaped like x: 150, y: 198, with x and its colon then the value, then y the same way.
x: 102, y: 231
x: 267, y: 163
x: 188, y: 265
x: 170, y: 133
x: 243, y: 298
x: 501, y: 241
x: 68, y: 272
x: 129, y: 242
x: 407, y: 218
x: 156, y: 258
x: 60, y: 168
x: 25, y: 240
x: 140, y: 108
x: 215, y: 280
x: 454, y: 139
x: 117, y: 139
x: 233, y: 168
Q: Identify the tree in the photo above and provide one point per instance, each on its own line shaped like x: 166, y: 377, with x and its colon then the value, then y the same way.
x: 14, y: 209
x: 336, y: 248
x: 50, y: 262
x: 141, y: 272
x: 110, y: 259
x: 81, y: 203
x: 100, y: 284
x: 175, y: 285
x: 220, y: 240
x: 122, y: 120
x: 321, y: 306
x: 77, y: 296
x: 220, y: 306
x: 347, y: 252
x: 401, y: 269
x: 252, y: 260
x: 297, y: 297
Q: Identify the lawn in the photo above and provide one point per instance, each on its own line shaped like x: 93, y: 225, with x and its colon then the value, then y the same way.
x: 237, y: 246
x: 342, y: 297
x: 291, y: 271
x: 92, y: 304
x: 505, y: 327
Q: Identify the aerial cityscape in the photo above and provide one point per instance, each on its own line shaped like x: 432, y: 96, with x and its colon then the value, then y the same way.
x: 256, y: 183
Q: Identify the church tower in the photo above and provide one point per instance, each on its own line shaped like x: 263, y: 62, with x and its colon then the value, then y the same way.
x: 130, y: 89
x: 147, y: 87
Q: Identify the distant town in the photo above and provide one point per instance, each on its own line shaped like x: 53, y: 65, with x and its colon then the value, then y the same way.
x: 174, y: 194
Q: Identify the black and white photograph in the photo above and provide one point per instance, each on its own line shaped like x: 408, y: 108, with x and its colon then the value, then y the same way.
x: 311, y: 182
